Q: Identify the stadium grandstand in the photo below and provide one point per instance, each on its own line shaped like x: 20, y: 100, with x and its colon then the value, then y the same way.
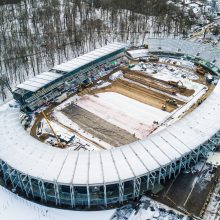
x: 66, y: 77
x: 101, y: 178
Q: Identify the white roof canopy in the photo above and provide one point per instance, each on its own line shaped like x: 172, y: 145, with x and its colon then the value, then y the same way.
x: 40, y: 160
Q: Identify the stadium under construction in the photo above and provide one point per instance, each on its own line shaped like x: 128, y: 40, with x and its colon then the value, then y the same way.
x: 102, y: 178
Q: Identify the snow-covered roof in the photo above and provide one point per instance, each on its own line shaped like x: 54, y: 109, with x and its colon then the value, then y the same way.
x: 34, y: 84
x: 205, y: 51
x: 40, y: 160
x: 29, y: 156
x: 138, y: 53
x: 90, y: 57
x: 13, y: 207
x: 39, y: 81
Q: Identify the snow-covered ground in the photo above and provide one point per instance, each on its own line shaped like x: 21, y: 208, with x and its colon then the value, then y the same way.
x: 213, y: 209
x: 63, y: 119
x: 13, y: 207
x: 214, y: 158
x: 148, y: 209
x: 178, y: 113
x: 138, y: 53
x: 167, y: 72
x: 116, y: 75
x: 124, y: 112
x: 75, y: 142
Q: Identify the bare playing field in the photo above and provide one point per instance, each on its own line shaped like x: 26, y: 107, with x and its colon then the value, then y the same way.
x: 127, y: 108
x: 97, y: 126
x: 139, y: 93
x: 113, y: 114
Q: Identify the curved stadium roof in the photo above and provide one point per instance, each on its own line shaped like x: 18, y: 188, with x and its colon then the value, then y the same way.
x: 39, y: 160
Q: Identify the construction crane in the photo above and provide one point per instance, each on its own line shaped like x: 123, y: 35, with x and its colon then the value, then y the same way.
x: 48, y: 122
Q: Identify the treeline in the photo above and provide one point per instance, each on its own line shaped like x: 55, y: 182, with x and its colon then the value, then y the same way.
x: 36, y: 35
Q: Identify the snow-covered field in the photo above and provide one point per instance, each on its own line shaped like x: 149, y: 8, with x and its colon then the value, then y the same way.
x: 167, y: 72
x: 214, y: 158
x: 13, y: 207
x: 148, y: 209
x: 212, y: 211
x: 124, y: 112
x: 63, y: 119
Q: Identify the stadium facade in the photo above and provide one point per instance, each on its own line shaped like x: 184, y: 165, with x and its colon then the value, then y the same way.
x: 102, y: 178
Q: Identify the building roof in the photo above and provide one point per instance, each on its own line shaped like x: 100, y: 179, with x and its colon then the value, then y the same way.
x: 39, y: 81
x: 39, y: 160
x: 35, y: 84
x: 13, y: 207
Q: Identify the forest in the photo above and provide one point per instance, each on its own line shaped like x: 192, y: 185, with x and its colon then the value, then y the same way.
x: 36, y: 35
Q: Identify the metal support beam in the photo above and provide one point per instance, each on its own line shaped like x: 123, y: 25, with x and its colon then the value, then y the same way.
x: 137, y: 186
x: 121, y: 192
x: 72, y: 195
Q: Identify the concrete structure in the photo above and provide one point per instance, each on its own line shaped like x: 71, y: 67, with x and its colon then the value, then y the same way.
x: 102, y: 178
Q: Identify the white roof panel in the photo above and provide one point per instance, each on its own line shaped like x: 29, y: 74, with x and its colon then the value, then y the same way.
x: 32, y: 83
x: 109, y: 170
x: 122, y: 166
x: 68, y: 169
x: 174, y: 142
x: 95, y: 169
x: 143, y: 155
x: 39, y: 80
x: 165, y: 147
x: 62, y: 68
x: 27, y: 87
x: 155, y: 152
x: 82, y: 168
x: 54, y: 167
x: 87, y: 58
x: 138, y: 167
x: 45, y: 77
x: 51, y: 74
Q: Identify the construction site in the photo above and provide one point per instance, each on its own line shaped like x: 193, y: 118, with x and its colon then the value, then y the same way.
x: 141, y: 119
x: 126, y: 105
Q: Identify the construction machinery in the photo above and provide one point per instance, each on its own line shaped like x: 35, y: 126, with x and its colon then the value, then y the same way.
x: 150, y: 82
x: 177, y: 84
x: 200, y: 70
x: 59, y: 144
x: 153, y: 58
x: 171, y: 102
x: 164, y: 107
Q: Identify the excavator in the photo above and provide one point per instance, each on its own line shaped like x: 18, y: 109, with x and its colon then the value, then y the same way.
x: 178, y: 84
